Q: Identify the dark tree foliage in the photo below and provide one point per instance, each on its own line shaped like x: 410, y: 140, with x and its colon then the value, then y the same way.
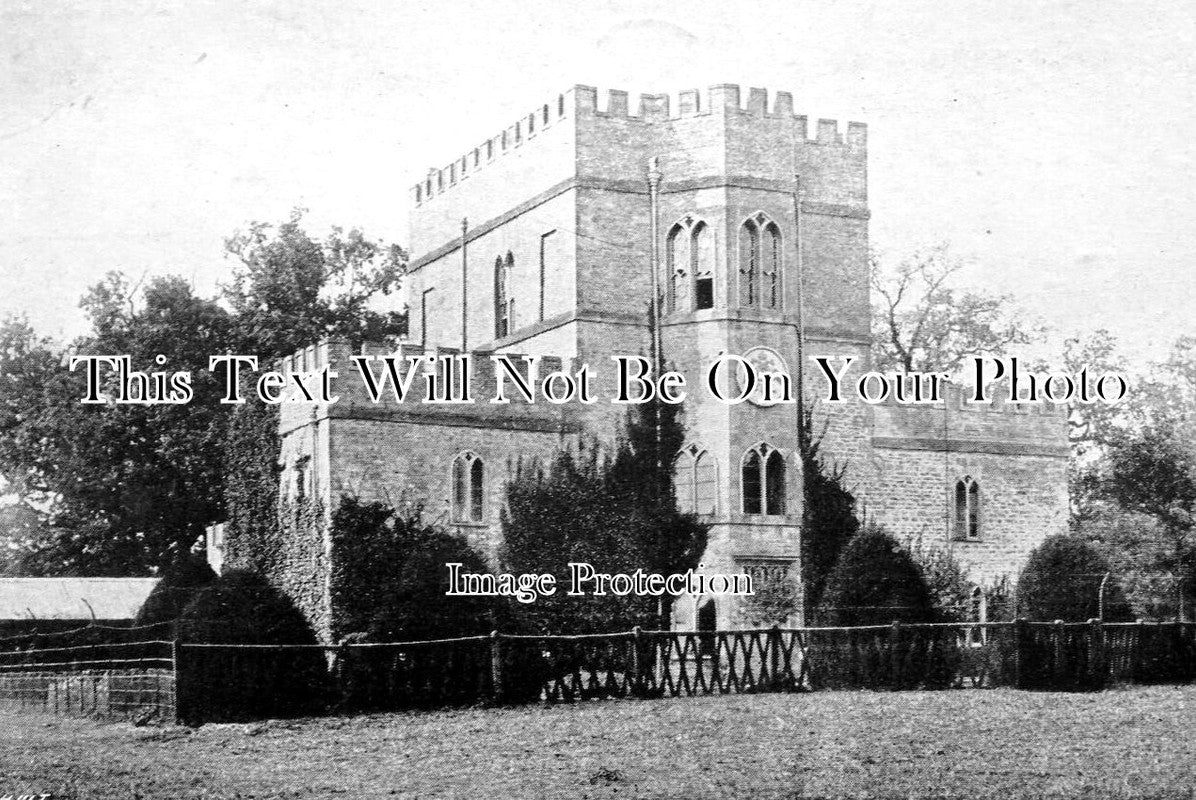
x: 242, y: 608
x: 291, y: 290
x: 178, y: 585
x: 828, y: 515
x: 617, y: 514
x: 876, y: 582
x: 1061, y: 580
x: 133, y: 485
x: 251, y: 487
x: 390, y: 582
x: 641, y: 476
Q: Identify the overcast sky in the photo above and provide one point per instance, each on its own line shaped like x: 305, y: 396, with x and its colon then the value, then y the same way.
x: 1050, y: 143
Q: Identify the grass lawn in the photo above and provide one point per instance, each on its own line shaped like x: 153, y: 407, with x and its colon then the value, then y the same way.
x: 998, y: 743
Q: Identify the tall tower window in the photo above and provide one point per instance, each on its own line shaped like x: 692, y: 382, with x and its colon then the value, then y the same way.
x: 695, y: 481
x: 468, y: 484
x: 677, y: 261
x: 749, y: 264
x: 702, y: 255
x: 967, y: 508
x: 760, y: 261
x: 771, y: 285
x: 504, y: 304
x: 763, y: 480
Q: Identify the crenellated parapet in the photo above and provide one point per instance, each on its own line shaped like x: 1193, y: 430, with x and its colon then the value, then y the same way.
x: 582, y: 104
x: 448, y: 387
x: 957, y: 424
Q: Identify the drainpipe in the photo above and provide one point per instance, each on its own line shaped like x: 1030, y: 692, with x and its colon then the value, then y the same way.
x: 464, y: 289
x: 654, y: 177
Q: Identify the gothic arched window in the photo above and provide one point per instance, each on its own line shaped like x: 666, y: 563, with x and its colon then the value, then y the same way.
x: 749, y: 264
x: 468, y: 488
x: 770, y: 288
x: 702, y: 258
x: 763, y: 480
x: 677, y: 260
x: 695, y: 481
x: 967, y: 508
x: 504, y: 303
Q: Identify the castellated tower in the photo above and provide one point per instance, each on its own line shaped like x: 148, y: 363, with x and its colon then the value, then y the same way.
x: 543, y: 240
x: 540, y: 240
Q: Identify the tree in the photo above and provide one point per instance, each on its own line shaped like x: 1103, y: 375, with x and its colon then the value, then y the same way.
x: 1062, y: 580
x: 828, y: 513
x: 566, y: 513
x: 130, y: 487
x: 1152, y: 471
x: 290, y: 291
x: 641, y: 474
x: 618, y: 514
x: 391, y: 580
x: 945, y: 577
x: 921, y: 322
x: 876, y: 582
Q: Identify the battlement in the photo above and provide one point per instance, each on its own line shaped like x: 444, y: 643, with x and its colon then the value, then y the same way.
x: 956, y: 398
x: 582, y: 102
x: 442, y: 362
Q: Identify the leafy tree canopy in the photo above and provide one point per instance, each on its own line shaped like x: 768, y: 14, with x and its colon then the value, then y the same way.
x: 130, y: 487
x: 921, y: 321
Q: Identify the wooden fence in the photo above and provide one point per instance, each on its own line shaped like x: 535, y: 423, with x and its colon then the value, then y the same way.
x: 117, y: 680
x: 207, y: 682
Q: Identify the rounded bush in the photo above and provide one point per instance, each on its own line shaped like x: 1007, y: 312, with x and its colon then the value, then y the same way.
x: 875, y: 582
x: 241, y: 608
x: 1061, y: 581
x: 179, y: 584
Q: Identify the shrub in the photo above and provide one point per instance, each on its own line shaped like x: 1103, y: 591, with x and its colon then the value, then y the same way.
x: 390, y: 585
x: 179, y: 584
x: 829, y: 518
x: 875, y: 582
x: 418, y: 608
x: 1061, y: 581
x: 241, y: 608
x: 946, y: 578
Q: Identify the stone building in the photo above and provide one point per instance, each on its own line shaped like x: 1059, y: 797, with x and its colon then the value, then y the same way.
x: 541, y: 241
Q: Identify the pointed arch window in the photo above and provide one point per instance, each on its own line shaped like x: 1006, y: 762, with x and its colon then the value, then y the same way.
x: 763, y: 480
x: 771, y: 266
x: 468, y: 488
x: 504, y: 303
x: 695, y: 481
x: 761, y: 258
x: 749, y: 264
x: 677, y: 258
x: 967, y: 509
x: 702, y: 258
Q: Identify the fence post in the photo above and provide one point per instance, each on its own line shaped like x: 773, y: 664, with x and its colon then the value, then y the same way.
x: 1139, y: 629
x: 1096, y: 652
x: 894, y: 657
x: 774, y: 661
x: 637, y: 666
x: 1058, y: 671
x: 496, y: 666
x: 180, y: 706
x: 1019, y: 648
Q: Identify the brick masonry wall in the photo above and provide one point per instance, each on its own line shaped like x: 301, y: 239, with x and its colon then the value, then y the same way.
x: 1023, y: 500
x: 724, y: 155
